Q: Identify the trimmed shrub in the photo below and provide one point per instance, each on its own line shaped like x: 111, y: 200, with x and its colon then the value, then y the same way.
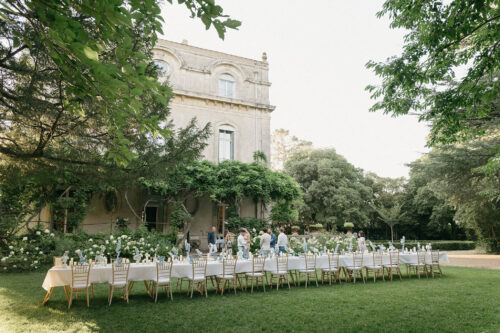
x: 449, y: 245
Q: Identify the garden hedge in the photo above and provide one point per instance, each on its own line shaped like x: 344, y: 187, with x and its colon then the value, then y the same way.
x: 436, y: 244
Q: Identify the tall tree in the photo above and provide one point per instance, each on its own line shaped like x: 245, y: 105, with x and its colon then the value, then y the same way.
x: 391, y: 216
x: 334, y: 191
x: 284, y: 145
x: 455, y: 179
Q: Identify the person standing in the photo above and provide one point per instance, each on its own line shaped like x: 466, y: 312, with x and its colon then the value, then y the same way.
x: 242, y: 242
x: 211, y: 237
x: 273, y: 238
x: 265, y: 242
x: 282, y: 241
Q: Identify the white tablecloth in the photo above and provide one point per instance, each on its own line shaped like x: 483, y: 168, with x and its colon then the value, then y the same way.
x: 61, y: 276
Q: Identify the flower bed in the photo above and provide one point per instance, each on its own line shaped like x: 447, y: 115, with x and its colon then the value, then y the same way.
x: 38, y: 247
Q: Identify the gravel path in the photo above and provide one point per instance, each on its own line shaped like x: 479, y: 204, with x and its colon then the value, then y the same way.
x: 473, y: 259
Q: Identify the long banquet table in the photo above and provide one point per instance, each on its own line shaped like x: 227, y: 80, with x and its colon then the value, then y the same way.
x: 61, y: 276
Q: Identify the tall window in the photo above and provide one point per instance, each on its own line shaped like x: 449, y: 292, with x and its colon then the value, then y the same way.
x: 226, y: 86
x: 164, y: 68
x: 226, y: 144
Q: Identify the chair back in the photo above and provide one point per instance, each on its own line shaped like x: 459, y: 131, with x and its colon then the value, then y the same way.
x: 120, y: 272
x: 421, y: 257
x: 310, y: 260
x: 229, y: 267
x: 80, y: 274
x: 282, y: 263
x: 199, y: 267
x: 357, y: 259
x: 435, y: 257
x: 394, y: 257
x: 258, y: 264
x: 377, y: 259
x: 163, y: 270
x: 333, y: 261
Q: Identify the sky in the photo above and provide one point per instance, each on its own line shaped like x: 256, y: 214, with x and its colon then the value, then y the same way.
x: 317, y: 51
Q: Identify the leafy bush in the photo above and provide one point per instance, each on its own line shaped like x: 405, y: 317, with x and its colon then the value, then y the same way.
x: 348, y: 225
x: 235, y: 223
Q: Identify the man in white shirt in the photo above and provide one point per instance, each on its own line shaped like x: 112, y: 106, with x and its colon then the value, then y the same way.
x: 265, y: 242
x: 282, y: 241
x: 242, y: 242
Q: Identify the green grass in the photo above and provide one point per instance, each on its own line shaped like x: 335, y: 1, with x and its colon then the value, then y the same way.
x: 464, y: 300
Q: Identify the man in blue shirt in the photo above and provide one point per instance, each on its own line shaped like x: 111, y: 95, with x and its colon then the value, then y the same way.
x: 211, y: 237
x: 273, y: 238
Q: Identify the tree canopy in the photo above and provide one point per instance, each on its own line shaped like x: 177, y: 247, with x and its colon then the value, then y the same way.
x: 443, y: 40
x: 333, y: 189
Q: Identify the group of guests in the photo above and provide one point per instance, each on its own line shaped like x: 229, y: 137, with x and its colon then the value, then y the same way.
x: 268, y: 241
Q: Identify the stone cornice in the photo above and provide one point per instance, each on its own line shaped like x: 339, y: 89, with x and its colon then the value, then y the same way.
x: 224, y: 100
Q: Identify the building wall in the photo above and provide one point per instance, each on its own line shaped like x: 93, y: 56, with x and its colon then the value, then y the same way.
x: 194, y: 76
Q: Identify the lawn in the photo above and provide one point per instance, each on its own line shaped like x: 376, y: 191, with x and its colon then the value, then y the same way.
x: 464, y: 300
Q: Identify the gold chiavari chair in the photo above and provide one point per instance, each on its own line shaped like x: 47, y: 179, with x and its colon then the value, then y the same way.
x: 228, y: 275
x: 356, y: 268
x: 281, y: 272
x: 80, y: 281
x: 257, y: 273
x: 435, y: 263
x: 421, y: 265
x: 198, y: 277
x: 393, y: 265
x: 119, y: 279
x: 376, y: 267
x: 163, y: 278
x: 332, y: 270
x: 310, y: 269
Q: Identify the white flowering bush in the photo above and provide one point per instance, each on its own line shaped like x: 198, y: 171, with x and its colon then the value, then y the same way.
x: 28, y: 252
x: 321, y: 240
x: 37, y: 248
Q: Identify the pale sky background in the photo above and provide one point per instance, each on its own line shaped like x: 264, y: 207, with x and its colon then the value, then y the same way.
x: 316, y: 51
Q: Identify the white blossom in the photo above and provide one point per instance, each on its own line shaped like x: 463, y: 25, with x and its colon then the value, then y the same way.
x: 4, y: 259
x: 25, y: 238
x: 51, y: 235
x: 11, y: 253
x: 35, y: 262
x: 91, y: 240
x: 46, y: 231
x: 41, y: 252
x: 11, y: 247
x: 38, y: 233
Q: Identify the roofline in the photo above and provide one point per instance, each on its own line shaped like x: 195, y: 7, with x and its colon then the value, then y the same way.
x: 262, y: 63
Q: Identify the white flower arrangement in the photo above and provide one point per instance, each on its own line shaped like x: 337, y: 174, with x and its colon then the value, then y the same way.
x: 46, y: 231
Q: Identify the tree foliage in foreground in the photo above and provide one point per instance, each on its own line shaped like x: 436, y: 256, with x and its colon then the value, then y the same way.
x: 78, y: 75
x: 443, y: 38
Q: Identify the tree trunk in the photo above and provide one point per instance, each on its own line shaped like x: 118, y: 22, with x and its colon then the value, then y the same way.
x: 392, y: 234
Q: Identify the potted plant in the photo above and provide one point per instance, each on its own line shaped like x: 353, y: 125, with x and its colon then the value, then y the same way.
x: 318, y: 227
x: 349, y: 226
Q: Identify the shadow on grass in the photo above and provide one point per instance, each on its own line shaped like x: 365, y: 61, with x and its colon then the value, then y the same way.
x: 463, y: 300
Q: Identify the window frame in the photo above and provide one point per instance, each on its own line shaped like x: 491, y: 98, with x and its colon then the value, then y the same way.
x: 225, y: 130
x: 225, y: 81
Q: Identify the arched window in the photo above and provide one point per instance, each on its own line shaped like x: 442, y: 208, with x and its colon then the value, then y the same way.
x: 226, y: 86
x: 163, y: 67
x: 226, y: 143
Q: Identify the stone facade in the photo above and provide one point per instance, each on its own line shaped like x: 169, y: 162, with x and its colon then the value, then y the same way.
x: 238, y: 110
x: 194, y: 74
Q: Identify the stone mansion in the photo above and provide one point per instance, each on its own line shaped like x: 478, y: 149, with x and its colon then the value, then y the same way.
x: 227, y: 91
